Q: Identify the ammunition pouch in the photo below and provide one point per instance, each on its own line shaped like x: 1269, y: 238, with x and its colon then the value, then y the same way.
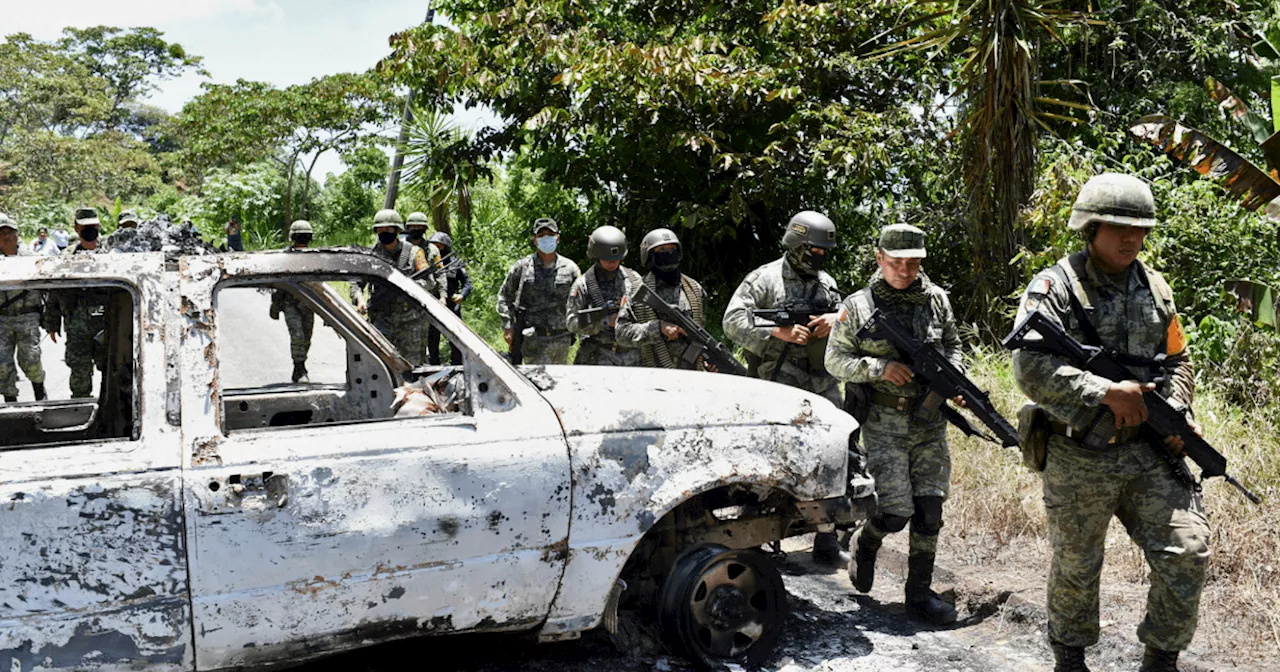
x: 1033, y: 436
x: 816, y: 351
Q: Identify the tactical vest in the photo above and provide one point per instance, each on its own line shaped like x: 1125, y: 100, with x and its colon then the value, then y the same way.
x: 383, y: 296
x: 651, y: 354
x: 596, y: 295
x: 1071, y: 269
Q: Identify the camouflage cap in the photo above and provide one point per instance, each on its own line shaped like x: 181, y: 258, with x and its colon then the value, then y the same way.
x: 86, y: 217
x: 545, y: 223
x: 6, y: 223
x: 902, y: 241
x: 128, y: 216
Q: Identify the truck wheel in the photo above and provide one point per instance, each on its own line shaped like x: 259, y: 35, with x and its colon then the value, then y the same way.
x: 720, y: 606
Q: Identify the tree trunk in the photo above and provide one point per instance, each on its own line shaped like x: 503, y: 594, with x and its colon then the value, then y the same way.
x: 397, y: 162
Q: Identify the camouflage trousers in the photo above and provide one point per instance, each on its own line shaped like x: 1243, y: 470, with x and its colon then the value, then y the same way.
x: 597, y: 353
x: 19, y: 335
x: 1083, y: 490
x: 301, y: 323
x: 85, y: 351
x: 406, y: 331
x: 547, y: 349
x: 823, y: 384
x: 909, y: 458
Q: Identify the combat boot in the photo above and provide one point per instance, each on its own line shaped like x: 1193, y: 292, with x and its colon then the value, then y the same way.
x: 38, y: 388
x: 826, y: 549
x: 922, y: 603
x: 1159, y: 660
x: 11, y: 398
x: 1068, y: 658
x: 864, y: 561
x: 300, y: 373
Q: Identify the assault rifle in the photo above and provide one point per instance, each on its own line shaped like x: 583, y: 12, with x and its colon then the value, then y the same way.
x: 941, y: 379
x: 791, y: 314
x: 517, y: 326
x: 702, y: 343
x: 610, y: 306
x: 1163, y: 420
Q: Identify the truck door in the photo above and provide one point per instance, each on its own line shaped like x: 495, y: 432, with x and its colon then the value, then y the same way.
x: 318, y: 519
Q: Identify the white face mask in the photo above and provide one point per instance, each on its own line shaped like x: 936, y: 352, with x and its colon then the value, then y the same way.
x: 547, y: 244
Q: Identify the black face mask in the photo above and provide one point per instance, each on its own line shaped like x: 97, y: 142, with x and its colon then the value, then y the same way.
x: 666, y: 265
x: 806, y: 263
x: 387, y: 237
x: 89, y: 234
x: 302, y: 238
x: 416, y: 234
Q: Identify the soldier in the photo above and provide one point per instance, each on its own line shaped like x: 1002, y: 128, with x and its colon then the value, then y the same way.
x: 538, y: 286
x: 604, y: 284
x: 127, y: 220
x: 907, y: 456
x: 415, y: 229
x: 401, y: 322
x: 1103, y: 295
x: 83, y: 311
x: 793, y: 354
x: 298, y: 318
x: 663, y: 344
x: 19, y: 325
x: 457, y: 289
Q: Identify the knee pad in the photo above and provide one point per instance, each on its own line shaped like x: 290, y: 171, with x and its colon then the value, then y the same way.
x: 888, y: 522
x: 928, y: 517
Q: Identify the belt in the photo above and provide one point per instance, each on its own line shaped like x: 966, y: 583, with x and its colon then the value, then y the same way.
x: 1123, y: 435
x: 892, y: 401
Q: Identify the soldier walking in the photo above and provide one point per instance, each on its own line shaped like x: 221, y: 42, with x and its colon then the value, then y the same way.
x: 82, y: 312
x: 457, y: 289
x: 603, y: 285
x: 793, y: 354
x: 535, y: 293
x: 662, y: 344
x: 1102, y: 295
x: 298, y: 318
x: 403, y: 323
x: 19, y: 325
x: 907, y: 456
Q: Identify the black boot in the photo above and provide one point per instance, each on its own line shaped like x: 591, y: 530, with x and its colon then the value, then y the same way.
x: 1068, y: 658
x: 300, y: 373
x: 922, y: 603
x: 38, y: 388
x: 1159, y: 660
x: 864, y: 561
x: 11, y: 398
x: 826, y: 549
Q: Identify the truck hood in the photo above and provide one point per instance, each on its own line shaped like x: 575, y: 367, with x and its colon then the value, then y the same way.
x: 602, y: 399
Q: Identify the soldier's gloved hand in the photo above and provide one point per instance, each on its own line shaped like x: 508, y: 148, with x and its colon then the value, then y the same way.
x: 275, y: 313
x: 823, y: 324
x: 798, y: 334
x: 898, y: 373
x: 1125, y: 400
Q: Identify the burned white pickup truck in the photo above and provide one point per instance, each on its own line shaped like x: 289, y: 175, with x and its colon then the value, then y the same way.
x: 200, y: 511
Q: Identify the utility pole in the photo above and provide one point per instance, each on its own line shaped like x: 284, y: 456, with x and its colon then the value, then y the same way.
x: 397, y: 161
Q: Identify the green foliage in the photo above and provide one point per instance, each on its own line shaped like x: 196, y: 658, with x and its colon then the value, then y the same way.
x: 1239, y: 359
x: 349, y: 200
x: 254, y: 195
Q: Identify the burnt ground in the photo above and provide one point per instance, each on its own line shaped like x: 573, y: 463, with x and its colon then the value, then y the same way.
x: 831, y: 628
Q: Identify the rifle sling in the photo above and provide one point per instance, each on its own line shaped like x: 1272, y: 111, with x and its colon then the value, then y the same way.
x: 12, y: 300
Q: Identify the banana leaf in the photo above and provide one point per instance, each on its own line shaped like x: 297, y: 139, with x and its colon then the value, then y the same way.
x: 1257, y: 299
x: 1252, y: 185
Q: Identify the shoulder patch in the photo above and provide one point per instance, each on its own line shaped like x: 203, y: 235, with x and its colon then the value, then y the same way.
x: 844, y: 313
x: 1176, y: 338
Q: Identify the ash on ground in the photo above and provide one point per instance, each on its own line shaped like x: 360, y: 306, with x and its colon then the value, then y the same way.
x: 159, y: 235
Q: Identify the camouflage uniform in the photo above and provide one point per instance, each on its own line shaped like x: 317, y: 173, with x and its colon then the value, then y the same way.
x: 544, y: 292
x: 20, y: 335
x: 600, y: 345
x: 83, y: 313
x: 907, y: 456
x: 298, y: 318
x: 1134, y: 314
x: 638, y: 327
x: 402, y: 322
x: 772, y: 286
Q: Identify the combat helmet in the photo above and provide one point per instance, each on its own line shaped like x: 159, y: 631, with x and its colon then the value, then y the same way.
x: 442, y: 238
x: 300, y: 226
x: 1114, y: 198
x: 607, y: 243
x: 417, y: 217
x: 810, y: 229
x: 656, y: 238
x: 388, y: 217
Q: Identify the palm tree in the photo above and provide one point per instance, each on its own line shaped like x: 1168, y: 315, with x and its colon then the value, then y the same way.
x: 437, y: 168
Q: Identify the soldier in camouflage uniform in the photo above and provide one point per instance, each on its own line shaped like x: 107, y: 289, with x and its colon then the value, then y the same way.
x: 793, y: 355
x: 457, y: 289
x: 1131, y: 310
x: 539, y: 285
x: 604, y: 284
x: 19, y: 325
x: 403, y: 323
x: 298, y: 318
x: 82, y: 312
x: 907, y: 456
x: 663, y: 344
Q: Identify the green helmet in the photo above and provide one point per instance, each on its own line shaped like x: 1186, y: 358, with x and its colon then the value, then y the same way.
x: 810, y: 229
x: 656, y: 238
x: 388, y: 217
x: 416, y: 218
x: 300, y: 226
x: 1114, y: 198
x: 607, y: 243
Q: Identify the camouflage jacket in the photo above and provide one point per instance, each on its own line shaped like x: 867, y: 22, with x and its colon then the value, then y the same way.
x: 597, y: 325
x: 863, y: 361
x: 1136, y: 316
x: 542, y: 290
x: 15, y: 302
x: 408, y: 259
x: 73, y: 305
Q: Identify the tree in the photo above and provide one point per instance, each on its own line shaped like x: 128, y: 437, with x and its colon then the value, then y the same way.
x: 444, y: 184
